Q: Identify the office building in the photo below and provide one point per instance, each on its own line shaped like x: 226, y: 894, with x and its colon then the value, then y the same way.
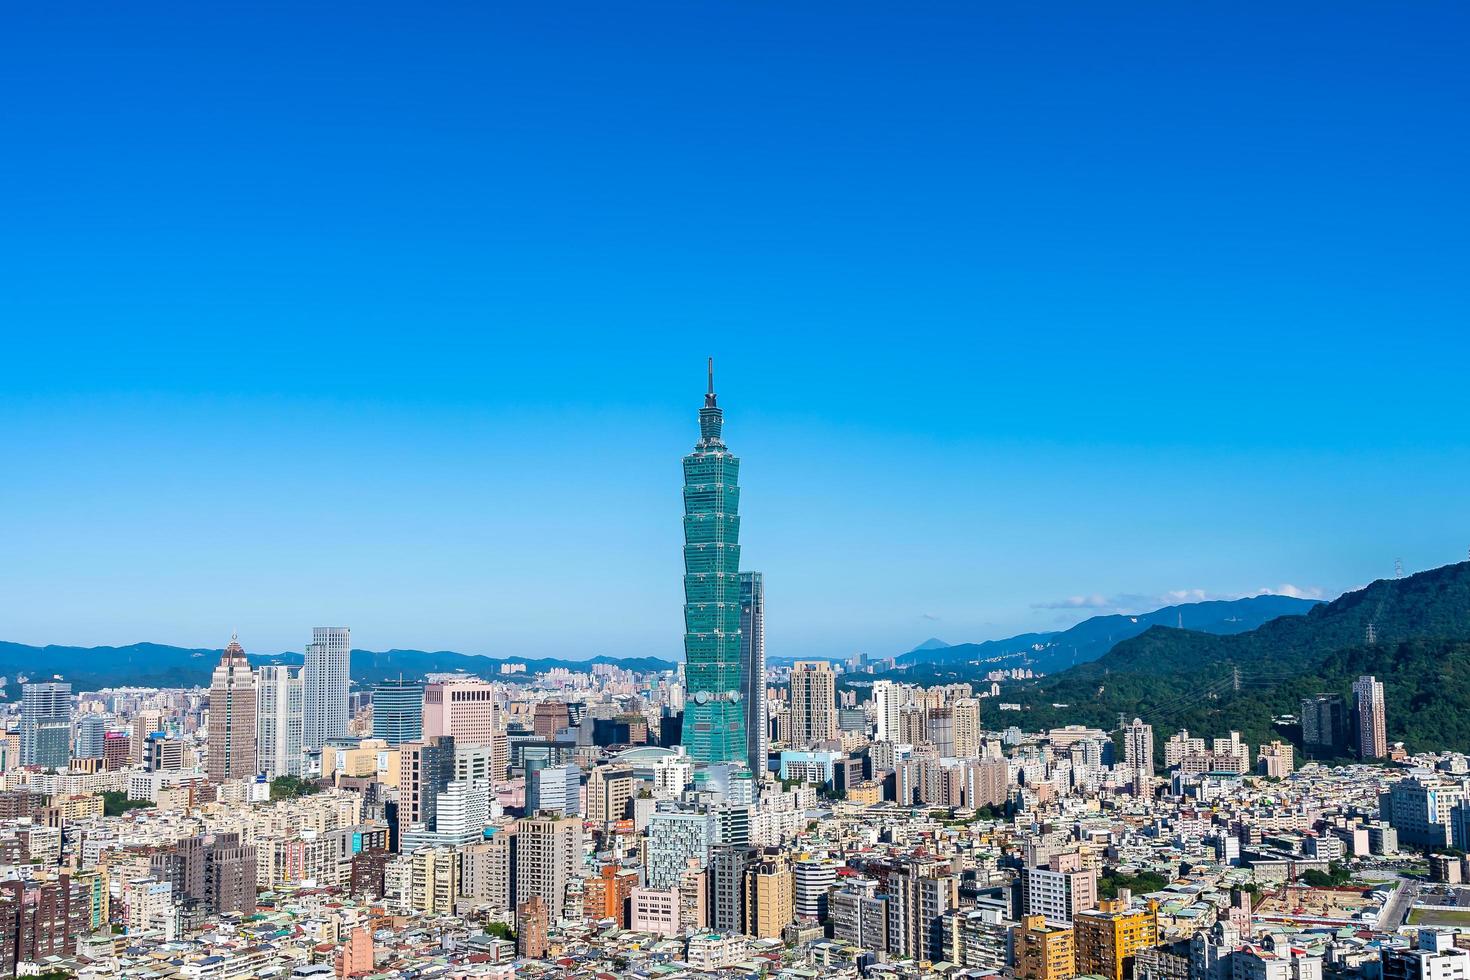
x: 326, y: 677
x: 610, y: 791
x: 813, y: 703
x: 1324, y: 720
x: 968, y: 736
x: 714, y: 717
x: 232, y: 716
x: 280, y: 699
x: 753, y: 673
x: 91, y: 730
x: 425, y: 769
x: 1368, y: 714
x: 45, y: 724
x: 464, y: 708
x: 555, y: 789
x: 398, y: 711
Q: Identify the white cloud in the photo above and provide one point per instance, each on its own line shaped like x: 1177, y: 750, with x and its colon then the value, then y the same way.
x: 1294, y: 591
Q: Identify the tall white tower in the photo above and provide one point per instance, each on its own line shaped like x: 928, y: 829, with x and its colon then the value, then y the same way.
x: 325, y: 680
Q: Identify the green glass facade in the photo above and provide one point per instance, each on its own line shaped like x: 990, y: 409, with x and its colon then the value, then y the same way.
x: 714, y: 717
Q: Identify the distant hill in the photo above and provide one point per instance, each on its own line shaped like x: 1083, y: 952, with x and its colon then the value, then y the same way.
x: 1180, y: 678
x: 1094, y: 637
x: 157, y: 665
x: 933, y: 643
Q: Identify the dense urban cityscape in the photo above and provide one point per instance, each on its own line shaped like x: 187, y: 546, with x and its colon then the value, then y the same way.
x: 804, y: 818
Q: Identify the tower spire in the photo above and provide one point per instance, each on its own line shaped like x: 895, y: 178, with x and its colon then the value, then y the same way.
x: 709, y: 395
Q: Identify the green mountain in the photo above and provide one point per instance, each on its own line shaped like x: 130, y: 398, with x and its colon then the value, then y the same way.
x: 1214, y: 684
x: 158, y: 665
x: 1095, y: 636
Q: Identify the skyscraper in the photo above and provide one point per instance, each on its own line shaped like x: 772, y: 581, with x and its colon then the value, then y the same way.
x: 813, y: 703
x: 1369, y: 714
x: 753, y: 656
x: 279, y: 718
x: 326, y: 675
x: 714, y: 718
x: 232, y: 716
x: 398, y: 711
x: 45, y: 724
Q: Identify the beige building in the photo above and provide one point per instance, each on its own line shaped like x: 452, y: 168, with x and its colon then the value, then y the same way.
x: 813, y: 703
x: 232, y: 716
x: 967, y: 734
x: 548, y: 854
x: 770, y: 899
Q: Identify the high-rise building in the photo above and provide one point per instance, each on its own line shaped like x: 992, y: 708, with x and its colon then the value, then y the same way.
x: 753, y: 655
x: 967, y: 733
x: 39, y: 920
x: 1060, y: 894
x: 813, y: 703
x: 279, y: 717
x: 1372, y: 729
x: 610, y: 790
x: 326, y: 677
x: 398, y: 711
x: 425, y: 769
x: 90, y: 732
x: 918, y: 896
x: 45, y: 724
x: 770, y: 899
x: 1324, y: 726
x: 725, y: 877
x: 886, y: 698
x: 674, y: 838
x: 1138, y: 750
x: 548, y: 854
x: 714, y: 718
x: 463, y: 707
x: 232, y: 716
x: 555, y: 789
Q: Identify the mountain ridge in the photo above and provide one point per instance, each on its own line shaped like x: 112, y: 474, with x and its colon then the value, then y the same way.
x: 147, y: 664
x: 1095, y: 636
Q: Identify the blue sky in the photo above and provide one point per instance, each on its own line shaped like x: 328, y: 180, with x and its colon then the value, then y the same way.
x: 396, y: 315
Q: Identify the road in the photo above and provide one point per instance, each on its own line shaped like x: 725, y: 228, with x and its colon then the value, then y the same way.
x: 1396, y: 909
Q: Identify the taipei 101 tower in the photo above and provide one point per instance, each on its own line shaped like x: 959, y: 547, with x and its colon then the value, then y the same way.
x: 714, y: 717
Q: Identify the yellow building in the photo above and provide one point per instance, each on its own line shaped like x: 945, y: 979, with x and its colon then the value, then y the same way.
x: 1043, y: 952
x: 1108, y: 937
x: 436, y: 880
x: 865, y: 793
x: 371, y: 758
x: 770, y: 899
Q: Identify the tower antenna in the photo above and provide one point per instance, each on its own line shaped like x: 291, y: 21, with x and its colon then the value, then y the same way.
x: 1398, y: 568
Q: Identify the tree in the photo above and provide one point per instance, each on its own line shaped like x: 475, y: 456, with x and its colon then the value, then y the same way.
x: 293, y: 787
x: 115, y: 803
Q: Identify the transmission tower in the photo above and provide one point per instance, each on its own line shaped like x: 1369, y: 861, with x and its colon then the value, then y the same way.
x: 1398, y: 568
x: 1235, y: 677
x: 1372, y: 634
